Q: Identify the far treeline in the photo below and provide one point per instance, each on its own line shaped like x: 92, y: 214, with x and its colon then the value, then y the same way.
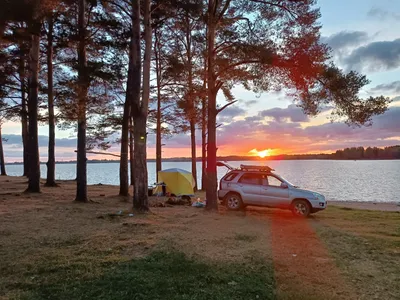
x: 392, y: 152
x: 128, y: 68
x: 358, y: 153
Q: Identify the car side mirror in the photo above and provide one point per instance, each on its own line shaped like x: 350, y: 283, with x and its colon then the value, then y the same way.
x: 284, y: 185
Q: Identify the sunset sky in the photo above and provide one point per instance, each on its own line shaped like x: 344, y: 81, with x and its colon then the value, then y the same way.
x: 364, y: 36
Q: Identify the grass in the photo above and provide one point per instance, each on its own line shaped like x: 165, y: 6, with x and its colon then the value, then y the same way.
x: 161, y: 275
x: 366, y: 247
x: 54, y: 248
x: 245, y: 237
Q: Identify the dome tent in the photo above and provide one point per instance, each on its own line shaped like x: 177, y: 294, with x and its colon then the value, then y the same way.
x: 178, y: 181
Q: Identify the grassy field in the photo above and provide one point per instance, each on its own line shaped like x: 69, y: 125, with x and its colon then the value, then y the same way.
x: 53, y: 248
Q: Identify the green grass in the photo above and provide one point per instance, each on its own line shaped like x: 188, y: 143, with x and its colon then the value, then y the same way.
x: 162, y: 275
x: 366, y: 247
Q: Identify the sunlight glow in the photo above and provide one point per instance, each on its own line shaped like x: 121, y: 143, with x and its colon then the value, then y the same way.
x: 262, y: 154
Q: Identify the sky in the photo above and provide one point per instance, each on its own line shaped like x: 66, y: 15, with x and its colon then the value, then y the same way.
x: 363, y: 35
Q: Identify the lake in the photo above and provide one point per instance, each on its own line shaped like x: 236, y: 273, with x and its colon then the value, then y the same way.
x: 340, y: 180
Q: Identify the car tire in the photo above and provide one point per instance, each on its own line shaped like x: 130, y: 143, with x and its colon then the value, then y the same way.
x: 301, y: 208
x: 233, y: 201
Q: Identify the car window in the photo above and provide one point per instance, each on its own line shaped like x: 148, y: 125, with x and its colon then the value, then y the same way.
x: 230, y: 176
x: 273, y: 181
x: 251, y: 179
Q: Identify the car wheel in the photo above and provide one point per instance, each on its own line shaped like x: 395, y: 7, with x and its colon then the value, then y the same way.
x: 301, y: 208
x: 233, y: 201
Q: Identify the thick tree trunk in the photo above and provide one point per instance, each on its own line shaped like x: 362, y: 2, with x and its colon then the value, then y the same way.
x: 2, y: 161
x: 131, y: 154
x: 158, y: 129
x: 140, y: 188
x: 81, y: 176
x: 211, y: 187
x: 24, y: 114
x: 123, y: 162
x: 133, y: 85
x: 51, y: 163
x: 33, y: 144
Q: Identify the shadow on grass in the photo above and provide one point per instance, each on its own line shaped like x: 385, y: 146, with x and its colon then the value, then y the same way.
x: 162, y: 275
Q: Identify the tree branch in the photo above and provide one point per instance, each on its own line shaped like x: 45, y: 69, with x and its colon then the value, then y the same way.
x: 224, y: 9
x: 294, y: 15
x: 9, y: 108
x: 243, y: 62
x: 104, y: 153
x: 225, y: 106
x: 121, y: 8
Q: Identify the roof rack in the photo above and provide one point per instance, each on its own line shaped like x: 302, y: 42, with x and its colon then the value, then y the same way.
x: 256, y: 168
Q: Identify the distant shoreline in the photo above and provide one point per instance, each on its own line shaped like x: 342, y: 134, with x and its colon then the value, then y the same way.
x: 187, y: 159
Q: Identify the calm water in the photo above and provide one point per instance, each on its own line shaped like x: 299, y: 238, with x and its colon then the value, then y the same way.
x: 377, y: 181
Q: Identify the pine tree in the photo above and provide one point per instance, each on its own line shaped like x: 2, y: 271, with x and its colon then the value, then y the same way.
x: 266, y: 45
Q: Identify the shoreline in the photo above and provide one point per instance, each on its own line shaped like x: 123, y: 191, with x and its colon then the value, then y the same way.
x: 7, y: 184
x: 184, y: 159
x: 366, y: 205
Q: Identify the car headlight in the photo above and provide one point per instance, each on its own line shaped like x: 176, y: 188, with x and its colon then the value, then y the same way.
x: 318, y: 196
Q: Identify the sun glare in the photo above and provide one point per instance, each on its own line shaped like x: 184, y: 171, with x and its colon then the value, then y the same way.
x: 262, y: 154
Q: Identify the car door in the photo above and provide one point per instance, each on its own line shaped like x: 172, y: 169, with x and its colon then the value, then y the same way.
x: 250, y: 187
x: 272, y: 193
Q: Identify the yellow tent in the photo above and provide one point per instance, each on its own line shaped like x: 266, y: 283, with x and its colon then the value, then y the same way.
x: 179, y: 182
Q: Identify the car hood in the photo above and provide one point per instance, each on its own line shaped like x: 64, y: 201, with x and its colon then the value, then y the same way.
x: 304, y: 192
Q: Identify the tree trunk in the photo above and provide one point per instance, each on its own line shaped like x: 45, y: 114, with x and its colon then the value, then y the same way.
x: 24, y: 114
x: 134, y: 83
x: 204, y: 124
x: 193, y: 146
x: 158, y: 129
x: 140, y: 188
x: 203, y: 144
x: 123, y: 162
x: 131, y: 155
x: 81, y: 176
x: 2, y: 161
x: 211, y: 187
x: 33, y: 143
x: 140, y: 181
x: 51, y: 163
x: 190, y: 101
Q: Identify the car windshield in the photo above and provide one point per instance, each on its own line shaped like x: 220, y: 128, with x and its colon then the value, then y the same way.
x: 285, y: 180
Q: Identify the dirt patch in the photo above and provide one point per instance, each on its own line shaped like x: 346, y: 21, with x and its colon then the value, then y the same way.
x: 302, y: 263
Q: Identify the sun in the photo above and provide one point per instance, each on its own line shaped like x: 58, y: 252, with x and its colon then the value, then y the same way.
x: 262, y: 154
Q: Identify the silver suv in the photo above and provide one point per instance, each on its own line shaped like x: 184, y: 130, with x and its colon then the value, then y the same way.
x: 260, y: 186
